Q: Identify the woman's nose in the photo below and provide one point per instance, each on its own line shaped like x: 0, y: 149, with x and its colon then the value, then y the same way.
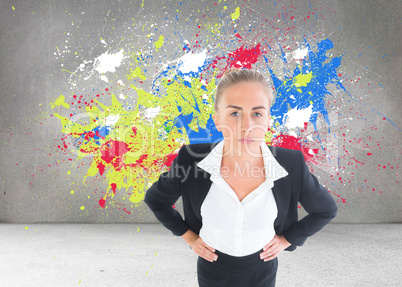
x: 245, y: 123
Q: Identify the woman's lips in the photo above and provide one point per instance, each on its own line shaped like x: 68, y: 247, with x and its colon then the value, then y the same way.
x: 246, y: 140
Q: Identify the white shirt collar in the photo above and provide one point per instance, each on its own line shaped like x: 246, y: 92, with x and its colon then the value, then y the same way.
x: 212, y: 162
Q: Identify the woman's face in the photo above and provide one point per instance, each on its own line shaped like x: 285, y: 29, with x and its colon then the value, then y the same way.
x: 243, y: 115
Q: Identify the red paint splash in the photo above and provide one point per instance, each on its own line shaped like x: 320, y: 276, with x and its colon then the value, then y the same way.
x: 343, y: 199
x: 240, y: 58
x: 113, y: 186
x: 113, y: 151
x: 169, y: 159
x: 88, y: 135
x: 101, y: 168
x: 243, y: 58
x: 102, y: 203
x: 291, y: 142
x: 140, y: 161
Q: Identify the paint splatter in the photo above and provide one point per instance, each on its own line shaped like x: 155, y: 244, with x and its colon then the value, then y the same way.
x: 236, y: 14
x: 159, y: 43
x: 60, y: 102
x: 147, y: 101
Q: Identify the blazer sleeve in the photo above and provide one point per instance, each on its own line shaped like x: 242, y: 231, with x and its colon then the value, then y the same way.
x: 164, y: 193
x: 318, y: 203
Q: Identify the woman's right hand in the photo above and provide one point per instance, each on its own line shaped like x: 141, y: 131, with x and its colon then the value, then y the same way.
x: 199, y: 246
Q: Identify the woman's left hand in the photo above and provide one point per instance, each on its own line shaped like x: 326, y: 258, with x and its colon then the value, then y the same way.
x: 274, y: 247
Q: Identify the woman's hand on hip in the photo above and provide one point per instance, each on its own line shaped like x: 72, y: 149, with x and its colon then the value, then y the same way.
x: 274, y: 247
x: 199, y: 246
x: 202, y: 249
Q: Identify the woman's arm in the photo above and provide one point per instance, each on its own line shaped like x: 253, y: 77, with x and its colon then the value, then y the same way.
x: 164, y: 193
x: 199, y: 246
x: 317, y: 201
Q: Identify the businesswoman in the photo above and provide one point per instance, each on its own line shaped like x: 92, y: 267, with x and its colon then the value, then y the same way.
x: 240, y: 196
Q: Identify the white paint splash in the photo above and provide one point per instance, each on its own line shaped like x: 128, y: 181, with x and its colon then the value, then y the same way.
x: 108, y: 62
x: 152, y: 112
x: 296, y: 118
x: 111, y: 119
x: 104, y: 63
x: 104, y: 78
x: 300, y: 53
x: 192, y: 62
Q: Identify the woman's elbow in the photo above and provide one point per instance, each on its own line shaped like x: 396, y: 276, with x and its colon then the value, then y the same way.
x: 151, y: 201
x: 333, y: 211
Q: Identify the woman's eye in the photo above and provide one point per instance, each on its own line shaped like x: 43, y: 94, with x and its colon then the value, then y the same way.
x: 237, y: 113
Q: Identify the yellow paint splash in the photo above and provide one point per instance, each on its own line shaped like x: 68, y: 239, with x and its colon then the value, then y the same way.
x: 71, y: 127
x: 191, y: 100
x: 136, y: 73
x: 147, y: 141
x: 236, y: 14
x: 302, y: 80
x: 159, y: 43
x: 60, y: 102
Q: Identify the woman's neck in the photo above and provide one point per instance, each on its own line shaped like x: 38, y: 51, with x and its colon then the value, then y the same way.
x: 240, y: 154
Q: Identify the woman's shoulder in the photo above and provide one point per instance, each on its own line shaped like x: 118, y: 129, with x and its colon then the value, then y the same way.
x: 286, y: 156
x: 282, y: 150
x: 195, y: 151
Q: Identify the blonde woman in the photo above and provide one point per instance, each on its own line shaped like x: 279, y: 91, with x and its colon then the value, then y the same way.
x: 240, y: 197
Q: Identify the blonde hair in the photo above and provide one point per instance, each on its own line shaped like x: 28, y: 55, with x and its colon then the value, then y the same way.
x: 234, y: 76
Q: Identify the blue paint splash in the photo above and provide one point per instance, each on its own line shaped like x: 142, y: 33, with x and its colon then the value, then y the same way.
x: 313, y: 93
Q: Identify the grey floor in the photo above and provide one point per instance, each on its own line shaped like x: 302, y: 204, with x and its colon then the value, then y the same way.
x: 149, y: 255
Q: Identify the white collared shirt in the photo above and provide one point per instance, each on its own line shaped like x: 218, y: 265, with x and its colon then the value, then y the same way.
x: 233, y: 227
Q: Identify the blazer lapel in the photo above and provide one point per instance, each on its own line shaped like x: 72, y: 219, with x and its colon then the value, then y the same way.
x: 281, y: 193
x: 201, y: 183
x: 201, y: 189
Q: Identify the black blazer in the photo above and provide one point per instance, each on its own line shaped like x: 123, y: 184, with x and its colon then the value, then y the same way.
x: 192, y: 183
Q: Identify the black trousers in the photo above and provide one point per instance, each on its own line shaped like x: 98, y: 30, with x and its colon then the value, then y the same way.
x: 233, y: 271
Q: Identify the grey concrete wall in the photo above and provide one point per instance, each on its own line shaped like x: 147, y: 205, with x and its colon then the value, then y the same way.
x: 49, y: 48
